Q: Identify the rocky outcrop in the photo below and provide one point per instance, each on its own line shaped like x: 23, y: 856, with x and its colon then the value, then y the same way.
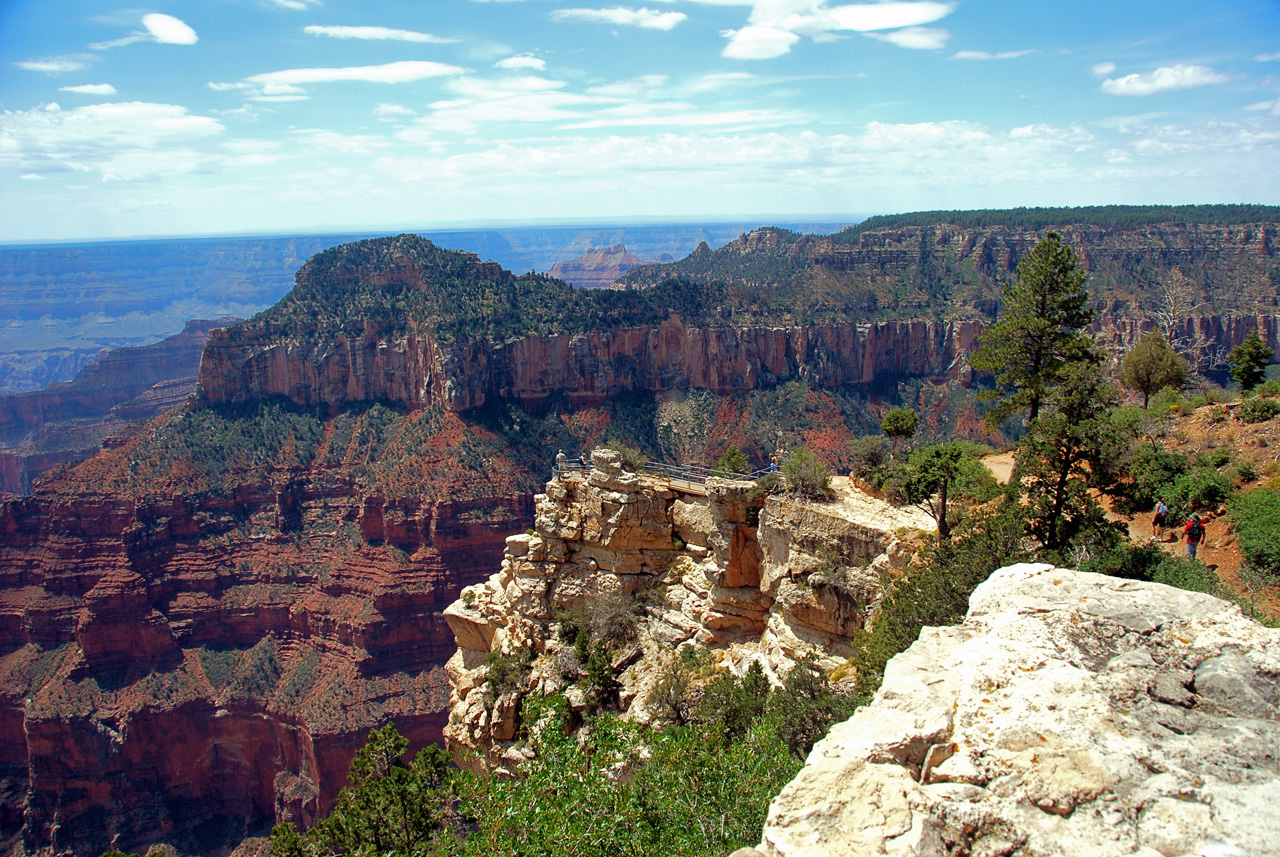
x: 597, y: 268
x: 1070, y: 714
x: 756, y: 582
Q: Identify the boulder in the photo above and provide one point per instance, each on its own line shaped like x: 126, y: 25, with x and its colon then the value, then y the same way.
x: 1070, y: 714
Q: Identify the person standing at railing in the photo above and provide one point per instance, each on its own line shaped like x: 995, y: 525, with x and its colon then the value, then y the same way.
x: 561, y: 463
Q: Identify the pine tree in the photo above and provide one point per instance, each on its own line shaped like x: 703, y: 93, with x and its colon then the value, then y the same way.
x: 1039, y: 330
x: 1249, y: 361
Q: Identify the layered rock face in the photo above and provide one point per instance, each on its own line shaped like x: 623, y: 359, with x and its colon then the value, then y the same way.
x: 588, y: 368
x: 1070, y: 714
x: 703, y: 569
x: 194, y: 668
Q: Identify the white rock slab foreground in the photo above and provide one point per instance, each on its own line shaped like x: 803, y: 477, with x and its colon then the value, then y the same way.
x: 1069, y: 714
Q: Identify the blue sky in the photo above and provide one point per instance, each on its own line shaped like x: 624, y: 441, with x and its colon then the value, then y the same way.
x: 228, y: 116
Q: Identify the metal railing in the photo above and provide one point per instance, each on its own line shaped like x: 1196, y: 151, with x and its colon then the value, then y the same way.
x: 695, y: 474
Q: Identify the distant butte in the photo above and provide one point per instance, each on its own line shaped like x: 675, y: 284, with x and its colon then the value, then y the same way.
x: 597, y: 268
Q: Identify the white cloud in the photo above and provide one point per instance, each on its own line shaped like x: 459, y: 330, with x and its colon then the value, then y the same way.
x: 621, y: 16
x: 391, y: 111
x: 637, y: 87
x: 168, y: 30
x: 774, y: 26
x: 522, y: 61
x: 984, y: 55
x: 376, y: 33
x: 122, y: 140
x: 295, y: 5
x: 1102, y: 69
x: 404, y: 71
x: 758, y: 43
x: 865, y: 17
x: 916, y: 38
x: 90, y: 89
x: 157, y: 27
x: 54, y: 65
x: 1268, y: 57
x: 286, y: 84
x: 1163, y: 79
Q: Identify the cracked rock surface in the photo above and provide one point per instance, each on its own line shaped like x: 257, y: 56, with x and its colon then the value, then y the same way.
x: 1070, y: 714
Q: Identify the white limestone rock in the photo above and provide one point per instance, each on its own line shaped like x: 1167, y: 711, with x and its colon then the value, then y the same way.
x: 1070, y: 714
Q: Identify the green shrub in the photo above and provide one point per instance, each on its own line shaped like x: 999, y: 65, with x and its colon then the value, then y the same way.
x: 1244, y: 471
x: 1254, y: 515
x: 1259, y: 410
x: 731, y: 705
x: 804, y: 709
x: 1151, y: 563
x: 1214, y: 458
x: 1151, y: 471
x: 869, y: 453
x: 732, y: 463
x: 806, y: 475
x: 633, y: 460
x: 1201, y: 488
x: 508, y: 673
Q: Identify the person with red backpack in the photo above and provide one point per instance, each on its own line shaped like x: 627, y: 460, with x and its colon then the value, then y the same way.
x: 1194, y: 534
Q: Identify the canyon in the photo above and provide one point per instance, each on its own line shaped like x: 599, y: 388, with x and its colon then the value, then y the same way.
x: 68, y: 421
x: 203, y: 620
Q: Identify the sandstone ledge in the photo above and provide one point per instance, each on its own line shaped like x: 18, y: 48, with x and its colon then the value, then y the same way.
x: 1070, y: 714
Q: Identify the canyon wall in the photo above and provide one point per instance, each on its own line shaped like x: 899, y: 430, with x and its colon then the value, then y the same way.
x: 588, y: 367
x: 591, y: 367
x: 191, y: 669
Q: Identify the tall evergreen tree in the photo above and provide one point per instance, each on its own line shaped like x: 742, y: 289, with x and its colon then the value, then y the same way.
x: 1038, y: 332
x: 1249, y: 361
x: 1068, y: 452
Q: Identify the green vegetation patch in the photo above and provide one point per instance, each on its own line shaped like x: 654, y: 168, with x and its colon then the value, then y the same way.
x: 1255, y: 516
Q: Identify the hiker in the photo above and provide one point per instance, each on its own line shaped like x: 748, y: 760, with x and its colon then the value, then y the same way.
x: 561, y: 463
x: 773, y: 463
x: 1160, y: 520
x: 1194, y: 534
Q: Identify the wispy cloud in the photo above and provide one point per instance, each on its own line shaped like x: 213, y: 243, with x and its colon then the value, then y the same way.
x: 122, y: 141
x: 295, y: 5
x: 621, y: 16
x: 522, y: 61
x: 90, y: 89
x: 55, y: 65
x: 157, y: 27
x: 1268, y: 57
x: 775, y: 26
x: 1164, y: 79
x: 286, y: 84
x: 376, y: 33
x: 916, y: 38
x: 1102, y: 69
x: 392, y: 111
x: 984, y: 55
